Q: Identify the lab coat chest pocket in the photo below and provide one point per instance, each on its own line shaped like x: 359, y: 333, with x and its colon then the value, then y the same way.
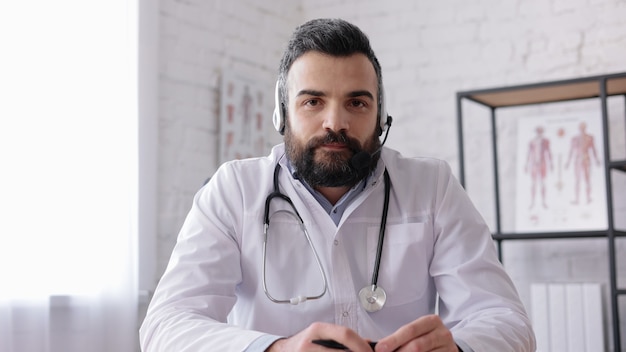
x: 404, y: 263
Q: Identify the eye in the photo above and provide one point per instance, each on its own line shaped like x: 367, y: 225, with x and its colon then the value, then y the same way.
x: 312, y: 102
x: 357, y: 104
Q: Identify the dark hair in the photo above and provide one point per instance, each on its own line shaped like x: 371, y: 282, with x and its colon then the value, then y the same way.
x: 335, y: 37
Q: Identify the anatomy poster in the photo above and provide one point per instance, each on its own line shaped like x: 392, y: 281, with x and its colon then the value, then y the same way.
x: 560, y: 174
x: 242, y: 111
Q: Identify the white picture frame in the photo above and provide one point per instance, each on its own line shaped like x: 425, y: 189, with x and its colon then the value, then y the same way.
x: 560, y: 181
x: 242, y: 115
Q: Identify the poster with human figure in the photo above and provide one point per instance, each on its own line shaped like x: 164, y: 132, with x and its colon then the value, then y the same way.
x: 242, y: 113
x: 583, y: 156
x: 538, y: 161
x: 560, y: 181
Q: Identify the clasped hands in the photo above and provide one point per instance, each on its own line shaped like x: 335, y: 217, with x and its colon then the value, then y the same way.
x: 425, y: 334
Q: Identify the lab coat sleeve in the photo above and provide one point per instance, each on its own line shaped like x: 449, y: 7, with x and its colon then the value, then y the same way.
x: 478, y: 300
x: 197, y: 291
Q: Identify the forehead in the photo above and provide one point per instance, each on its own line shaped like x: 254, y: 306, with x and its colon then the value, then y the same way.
x: 318, y: 71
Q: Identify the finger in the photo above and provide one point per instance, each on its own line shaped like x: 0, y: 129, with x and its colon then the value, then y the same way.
x: 351, y: 341
x: 441, y: 349
x: 412, y: 330
x: 415, y: 330
x: 438, y: 340
x: 330, y: 335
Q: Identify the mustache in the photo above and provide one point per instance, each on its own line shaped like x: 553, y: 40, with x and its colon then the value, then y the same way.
x: 335, y: 137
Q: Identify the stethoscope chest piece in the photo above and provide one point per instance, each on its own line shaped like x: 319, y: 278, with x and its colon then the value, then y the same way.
x: 372, y: 298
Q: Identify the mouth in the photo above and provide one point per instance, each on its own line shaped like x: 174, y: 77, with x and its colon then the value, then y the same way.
x: 334, y: 146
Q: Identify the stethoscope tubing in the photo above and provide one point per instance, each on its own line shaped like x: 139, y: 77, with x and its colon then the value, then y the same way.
x: 381, y: 233
x: 266, y: 220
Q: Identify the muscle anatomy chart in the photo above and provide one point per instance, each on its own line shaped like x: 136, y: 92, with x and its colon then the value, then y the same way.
x: 560, y: 183
x: 242, y: 111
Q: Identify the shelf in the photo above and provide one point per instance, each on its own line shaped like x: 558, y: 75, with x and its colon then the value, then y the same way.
x: 555, y: 235
x: 618, y: 165
x: 548, y: 92
x: 596, y: 87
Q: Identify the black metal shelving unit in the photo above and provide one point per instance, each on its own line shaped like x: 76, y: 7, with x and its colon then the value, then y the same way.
x: 596, y: 87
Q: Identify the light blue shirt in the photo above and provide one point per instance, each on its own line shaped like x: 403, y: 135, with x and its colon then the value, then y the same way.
x: 335, y: 211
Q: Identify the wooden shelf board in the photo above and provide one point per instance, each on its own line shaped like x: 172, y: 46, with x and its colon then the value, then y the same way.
x: 548, y: 92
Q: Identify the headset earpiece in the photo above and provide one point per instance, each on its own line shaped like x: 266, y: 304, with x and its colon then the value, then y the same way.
x: 385, y: 120
x: 279, y: 112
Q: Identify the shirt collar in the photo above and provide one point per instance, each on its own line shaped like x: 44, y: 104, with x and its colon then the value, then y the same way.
x: 343, y: 202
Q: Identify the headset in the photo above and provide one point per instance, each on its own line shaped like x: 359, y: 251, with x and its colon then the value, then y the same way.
x: 279, y: 112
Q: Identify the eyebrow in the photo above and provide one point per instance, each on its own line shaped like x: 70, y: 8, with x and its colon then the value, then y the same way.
x: 354, y: 94
x: 361, y: 93
x: 312, y: 92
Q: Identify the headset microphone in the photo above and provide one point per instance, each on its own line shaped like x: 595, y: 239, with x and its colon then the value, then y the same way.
x: 363, y: 159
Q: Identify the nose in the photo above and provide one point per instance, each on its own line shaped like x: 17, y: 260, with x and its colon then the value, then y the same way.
x: 335, y: 118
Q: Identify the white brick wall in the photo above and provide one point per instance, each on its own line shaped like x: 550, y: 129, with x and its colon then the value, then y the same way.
x: 429, y: 50
x: 198, y: 40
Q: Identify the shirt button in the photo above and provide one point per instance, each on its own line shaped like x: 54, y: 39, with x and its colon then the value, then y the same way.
x: 336, y: 242
x: 335, y: 210
x: 345, y: 314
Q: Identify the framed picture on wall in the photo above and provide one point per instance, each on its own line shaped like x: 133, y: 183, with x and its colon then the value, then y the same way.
x: 560, y: 180
x: 242, y: 110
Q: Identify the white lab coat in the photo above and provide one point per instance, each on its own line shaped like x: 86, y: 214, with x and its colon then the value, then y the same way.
x: 211, y: 296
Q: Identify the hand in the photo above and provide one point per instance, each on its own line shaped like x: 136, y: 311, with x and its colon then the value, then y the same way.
x: 427, y: 333
x: 302, y: 341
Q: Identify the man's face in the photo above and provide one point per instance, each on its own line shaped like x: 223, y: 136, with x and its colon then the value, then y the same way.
x: 332, y: 114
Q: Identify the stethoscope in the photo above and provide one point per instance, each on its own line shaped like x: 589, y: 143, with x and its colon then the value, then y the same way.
x: 372, y: 296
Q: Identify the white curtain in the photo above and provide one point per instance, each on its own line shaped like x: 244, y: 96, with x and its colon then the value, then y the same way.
x: 68, y: 179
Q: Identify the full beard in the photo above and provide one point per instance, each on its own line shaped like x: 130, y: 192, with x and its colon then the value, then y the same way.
x: 331, y: 169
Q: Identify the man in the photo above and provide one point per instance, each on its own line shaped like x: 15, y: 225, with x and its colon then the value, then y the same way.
x: 333, y: 240
x: 537, y: 161
x: 582, y: 148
